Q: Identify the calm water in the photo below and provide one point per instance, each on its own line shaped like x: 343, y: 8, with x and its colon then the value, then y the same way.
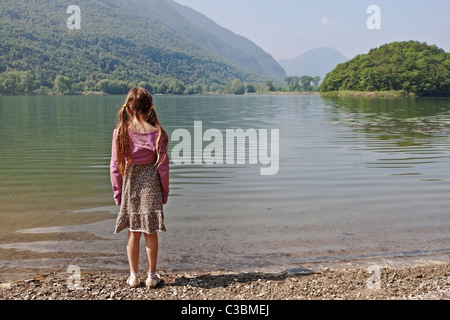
x: 358, y: 179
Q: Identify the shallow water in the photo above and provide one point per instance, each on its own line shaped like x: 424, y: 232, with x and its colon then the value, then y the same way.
x: 358, y: 179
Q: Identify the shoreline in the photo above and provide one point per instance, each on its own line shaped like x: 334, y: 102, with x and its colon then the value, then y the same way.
x: 343, y: 93
x: 368, y: 94
x: 101, y: 93
x: 419, y: 280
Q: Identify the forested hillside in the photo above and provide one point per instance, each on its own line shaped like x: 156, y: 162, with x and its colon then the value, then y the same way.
x: 412, y: 67
x: 157, y: 43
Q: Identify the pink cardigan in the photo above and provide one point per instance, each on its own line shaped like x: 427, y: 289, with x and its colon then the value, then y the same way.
x: 143, y: 151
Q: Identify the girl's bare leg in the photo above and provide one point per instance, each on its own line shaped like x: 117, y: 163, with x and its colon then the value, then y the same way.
x: 151, y: 248
x: 133, y: 251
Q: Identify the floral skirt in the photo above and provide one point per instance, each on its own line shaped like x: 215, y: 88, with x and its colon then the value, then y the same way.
x: 141, y: 208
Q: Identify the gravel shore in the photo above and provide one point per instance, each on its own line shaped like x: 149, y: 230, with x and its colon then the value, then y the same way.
x: 429, y: 281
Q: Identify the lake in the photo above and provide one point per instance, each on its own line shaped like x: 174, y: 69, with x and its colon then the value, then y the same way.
x: 358, y: 180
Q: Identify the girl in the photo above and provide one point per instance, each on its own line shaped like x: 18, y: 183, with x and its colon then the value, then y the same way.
x: 139, y: 171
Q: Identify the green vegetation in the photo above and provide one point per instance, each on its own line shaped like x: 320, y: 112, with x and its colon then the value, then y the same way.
x: 303, y: 83
x: 411, y: 68
x: 367, y: 94
x: 122, y: 43
x: 171, y: 49
x: 22, y: 83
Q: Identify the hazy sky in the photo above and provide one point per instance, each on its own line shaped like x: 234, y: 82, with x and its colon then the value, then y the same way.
x: 287, y: 28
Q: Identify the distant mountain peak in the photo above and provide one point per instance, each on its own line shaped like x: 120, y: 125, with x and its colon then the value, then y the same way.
x: 315, y: 62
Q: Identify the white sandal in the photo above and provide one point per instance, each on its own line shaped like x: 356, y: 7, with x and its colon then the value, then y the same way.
x: 134, y: 282
x: 153, y: 282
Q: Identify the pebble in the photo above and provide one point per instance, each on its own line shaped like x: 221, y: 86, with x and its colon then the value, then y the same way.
x: 412, y: 282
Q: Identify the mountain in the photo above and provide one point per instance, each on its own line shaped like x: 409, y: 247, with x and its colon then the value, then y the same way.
x: 228, y: 45
x: 124, y: 40
x: 316, y: 62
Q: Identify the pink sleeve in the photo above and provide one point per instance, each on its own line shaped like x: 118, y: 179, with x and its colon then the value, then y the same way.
x: 114, y: 172
x: 163, y: 167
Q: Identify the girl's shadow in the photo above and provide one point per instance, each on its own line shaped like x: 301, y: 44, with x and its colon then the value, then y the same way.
x: 208, y: 281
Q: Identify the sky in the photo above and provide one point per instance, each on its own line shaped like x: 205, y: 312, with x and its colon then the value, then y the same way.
x: 287, y: 28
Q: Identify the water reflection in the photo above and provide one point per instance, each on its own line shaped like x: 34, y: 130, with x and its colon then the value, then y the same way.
x: 409, y: 133
x: 390, y: 117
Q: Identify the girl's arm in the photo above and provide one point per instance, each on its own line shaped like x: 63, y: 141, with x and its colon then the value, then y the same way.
x: 114, y: 171
x: 163, y: 166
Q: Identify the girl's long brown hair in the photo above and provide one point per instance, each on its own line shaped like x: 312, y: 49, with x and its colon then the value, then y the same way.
x: 138, y: 102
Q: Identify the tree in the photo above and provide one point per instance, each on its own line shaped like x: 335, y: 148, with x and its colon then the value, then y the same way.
x: 270, y: 86
x: 305, y: 83
x: 237, y: 87
x: 249, y: 88
x: 161, y: 88
x: 16, y: 82
x: 113, y: 86
x: 316, y: 81
x: 62, y: 84
x: 176, y: 87
x: 293, y: 83
x: 146, y: 85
